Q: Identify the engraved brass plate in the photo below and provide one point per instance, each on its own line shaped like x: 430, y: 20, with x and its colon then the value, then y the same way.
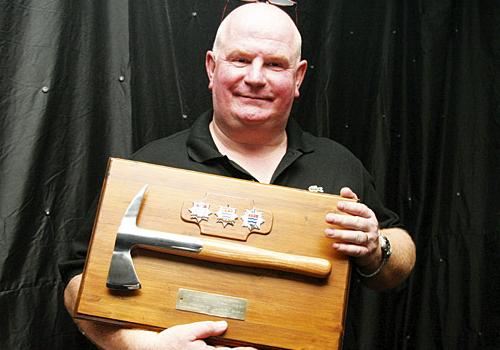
x: 211, y: 304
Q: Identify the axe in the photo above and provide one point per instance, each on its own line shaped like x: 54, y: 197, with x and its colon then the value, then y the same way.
x: 122, y: 275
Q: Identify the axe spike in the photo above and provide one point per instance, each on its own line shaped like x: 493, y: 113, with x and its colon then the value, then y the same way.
x: 135, y: 205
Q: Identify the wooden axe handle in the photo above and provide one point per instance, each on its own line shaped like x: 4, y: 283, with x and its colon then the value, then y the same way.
x: 244, y: 255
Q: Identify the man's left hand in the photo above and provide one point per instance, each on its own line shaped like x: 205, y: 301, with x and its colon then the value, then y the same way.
x: 358, y: 236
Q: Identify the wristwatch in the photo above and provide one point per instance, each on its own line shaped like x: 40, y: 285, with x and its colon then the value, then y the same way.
x: 385, y: 247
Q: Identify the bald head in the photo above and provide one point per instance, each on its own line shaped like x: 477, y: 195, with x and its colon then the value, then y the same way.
x: 263, y: 20
x: 255, y: 73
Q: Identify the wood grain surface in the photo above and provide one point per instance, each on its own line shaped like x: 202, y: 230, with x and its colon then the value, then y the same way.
x: 284, y: 309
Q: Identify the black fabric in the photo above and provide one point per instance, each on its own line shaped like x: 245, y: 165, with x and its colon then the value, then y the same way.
x: 308, y: 161
x: 411, y: 88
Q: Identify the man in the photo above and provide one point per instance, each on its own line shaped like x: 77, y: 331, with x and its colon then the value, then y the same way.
x: 255, y: 73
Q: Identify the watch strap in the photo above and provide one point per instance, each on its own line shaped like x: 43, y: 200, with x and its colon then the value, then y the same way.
x: 385, y: 247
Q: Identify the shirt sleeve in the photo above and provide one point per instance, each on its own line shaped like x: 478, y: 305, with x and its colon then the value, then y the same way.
x: 386, y: 217
x: 79, y: 246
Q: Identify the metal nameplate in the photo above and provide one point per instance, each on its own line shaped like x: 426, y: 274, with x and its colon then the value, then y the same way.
x: 211, y: 304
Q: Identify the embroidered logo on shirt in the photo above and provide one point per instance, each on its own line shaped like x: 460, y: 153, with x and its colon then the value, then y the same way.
x: 315, y: 188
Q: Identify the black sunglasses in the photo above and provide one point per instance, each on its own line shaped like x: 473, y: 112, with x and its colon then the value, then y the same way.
x: 279, y: 3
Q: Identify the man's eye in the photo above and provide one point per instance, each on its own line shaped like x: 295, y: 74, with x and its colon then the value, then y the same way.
x: 275, y: 65
x: 241, y: 60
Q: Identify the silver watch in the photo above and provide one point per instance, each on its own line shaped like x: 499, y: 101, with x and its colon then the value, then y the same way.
x: 385, y: 247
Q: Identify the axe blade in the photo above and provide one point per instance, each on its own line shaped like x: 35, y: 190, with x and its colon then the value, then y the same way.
x: 121, y: 274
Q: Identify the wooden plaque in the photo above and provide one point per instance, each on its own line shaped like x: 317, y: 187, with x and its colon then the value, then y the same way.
x: 269, y: 309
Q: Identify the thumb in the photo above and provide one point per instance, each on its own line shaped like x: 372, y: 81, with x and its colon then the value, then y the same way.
x: 346, y: 192
x: 204, y: 329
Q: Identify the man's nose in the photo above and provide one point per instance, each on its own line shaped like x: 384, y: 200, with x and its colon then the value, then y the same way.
x: 255, y: 75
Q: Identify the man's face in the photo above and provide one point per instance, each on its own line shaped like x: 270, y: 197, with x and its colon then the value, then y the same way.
x: 254, y: 78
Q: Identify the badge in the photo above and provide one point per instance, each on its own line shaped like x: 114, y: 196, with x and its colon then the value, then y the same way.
x: 315, y: 188
x: 226, y: 215
x: 199, y: 211
x: 252, y: 219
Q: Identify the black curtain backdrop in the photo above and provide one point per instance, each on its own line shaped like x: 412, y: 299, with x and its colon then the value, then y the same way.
x: 411, y: 87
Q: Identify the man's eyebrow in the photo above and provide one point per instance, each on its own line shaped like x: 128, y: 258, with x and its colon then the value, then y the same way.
x: 239, y: 52
x: 281, y: 58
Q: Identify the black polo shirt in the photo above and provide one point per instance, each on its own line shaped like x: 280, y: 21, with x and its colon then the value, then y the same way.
x: 308, y: 161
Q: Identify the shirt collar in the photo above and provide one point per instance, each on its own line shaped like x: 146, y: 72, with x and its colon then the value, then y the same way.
x: 298, y: 139
x: 201, y: 146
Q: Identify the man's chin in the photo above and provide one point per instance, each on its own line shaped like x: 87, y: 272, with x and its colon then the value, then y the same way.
x: 252, y: 114
x: 253, y: 119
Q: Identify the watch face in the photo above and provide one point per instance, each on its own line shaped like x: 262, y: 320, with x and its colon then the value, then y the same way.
x: 385, y: 245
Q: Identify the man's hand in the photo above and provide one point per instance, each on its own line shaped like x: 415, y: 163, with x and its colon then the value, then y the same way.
x: 107, y: 336
x: 358, y: 238
x: 189, y: 336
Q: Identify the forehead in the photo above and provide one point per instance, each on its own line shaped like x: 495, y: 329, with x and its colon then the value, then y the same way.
x: 259, y: 38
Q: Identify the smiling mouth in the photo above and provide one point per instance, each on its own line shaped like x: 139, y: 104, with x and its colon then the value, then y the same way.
x: 251, y: 97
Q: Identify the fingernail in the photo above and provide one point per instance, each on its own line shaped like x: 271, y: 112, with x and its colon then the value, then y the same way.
x: 330, y: 217
x: 330, y: 232
x: 341, y: 205
x: 220, y: 325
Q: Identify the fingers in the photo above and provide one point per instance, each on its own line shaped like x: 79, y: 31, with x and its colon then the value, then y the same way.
x: 207, y: 329
x: 355, y: 251
x: 355, y: 234
x: 360, y: 217
x: 357, y: 244
x: 199, y: 330
x: 189, y: 336
x: 348, y: 193
x: 357, y: 223
x: 348, y: 236
x: 355, y: 208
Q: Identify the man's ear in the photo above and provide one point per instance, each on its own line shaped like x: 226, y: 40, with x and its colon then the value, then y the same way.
x: 210, y: 67
x: 300, y: 73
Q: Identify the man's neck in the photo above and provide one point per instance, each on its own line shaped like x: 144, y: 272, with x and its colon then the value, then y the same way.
x: 251, y: 142
x: 260, y: 159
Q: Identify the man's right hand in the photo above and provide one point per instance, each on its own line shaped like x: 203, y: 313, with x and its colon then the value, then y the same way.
x: 182, y: 337
x: 189, y: 336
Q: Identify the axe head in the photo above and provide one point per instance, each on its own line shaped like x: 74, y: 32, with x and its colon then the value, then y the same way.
x: 121, y: 274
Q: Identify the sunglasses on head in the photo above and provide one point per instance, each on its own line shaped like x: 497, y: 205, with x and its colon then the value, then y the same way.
x: 279, y: 3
